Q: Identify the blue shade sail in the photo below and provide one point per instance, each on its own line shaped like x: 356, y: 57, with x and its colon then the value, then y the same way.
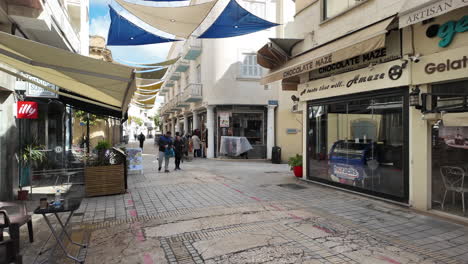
x: 235, y: 21
x: 124, y: 33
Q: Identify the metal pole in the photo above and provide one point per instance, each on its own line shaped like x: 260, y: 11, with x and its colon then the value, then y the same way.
x: 87, y: 133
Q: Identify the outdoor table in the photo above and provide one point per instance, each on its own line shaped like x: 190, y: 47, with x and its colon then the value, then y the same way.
x: 70, y: 206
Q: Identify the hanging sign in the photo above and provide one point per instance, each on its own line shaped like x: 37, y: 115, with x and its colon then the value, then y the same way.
x: 33, y: 90
x: 224, y: 119
x: 27, y: 110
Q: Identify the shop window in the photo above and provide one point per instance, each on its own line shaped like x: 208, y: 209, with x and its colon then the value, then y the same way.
x: 249, y: 126
x: 332, y: 8
x: 359, y: 144
x: 249, y: 67
x: 450, y: 148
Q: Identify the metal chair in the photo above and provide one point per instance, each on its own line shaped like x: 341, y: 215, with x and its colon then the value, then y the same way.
x: 454, y: 180
x: 13, y: 221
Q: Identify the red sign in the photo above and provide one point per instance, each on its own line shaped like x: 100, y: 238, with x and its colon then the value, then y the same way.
x: 28, y: 110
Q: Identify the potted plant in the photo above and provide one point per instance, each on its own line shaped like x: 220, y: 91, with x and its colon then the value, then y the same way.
x: 104, y: 172
x: 296, y: 165
x: 30, y: 154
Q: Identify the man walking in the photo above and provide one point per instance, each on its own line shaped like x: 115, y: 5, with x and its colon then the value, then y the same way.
x: 179, y: 150
x: 165, y: 144
x: 141, y: 138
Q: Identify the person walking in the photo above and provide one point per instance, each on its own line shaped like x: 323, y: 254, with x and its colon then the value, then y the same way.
x: 165, y: 144
x: 141, y: 138
x: 196, y: 146
x: 179, y: 150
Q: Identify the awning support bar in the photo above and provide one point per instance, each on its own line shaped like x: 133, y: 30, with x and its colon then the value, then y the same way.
x: 57, y: 92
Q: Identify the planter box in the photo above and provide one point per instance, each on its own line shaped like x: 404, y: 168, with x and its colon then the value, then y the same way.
x: 105, y: 180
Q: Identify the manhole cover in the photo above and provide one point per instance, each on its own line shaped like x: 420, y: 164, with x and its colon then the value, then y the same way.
x: 292, y: 186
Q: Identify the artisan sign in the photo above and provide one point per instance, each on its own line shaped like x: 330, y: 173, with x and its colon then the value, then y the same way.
x: 449, y: 65
x: 27, y: 110
x: 430, y: 11
x: 391, y: 74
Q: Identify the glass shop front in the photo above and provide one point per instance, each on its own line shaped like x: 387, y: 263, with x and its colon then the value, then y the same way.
x: 360, y: 142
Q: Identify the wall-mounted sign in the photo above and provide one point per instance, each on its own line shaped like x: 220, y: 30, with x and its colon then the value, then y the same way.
x: 442, y: 66
x: 224, y: 119
x: 272, y: 102
x: 386, y: 75
x: 27, y: 110
x: 292, y: 130
x: 33, y: 90
x: 429, y: 11
x: 447, y: 31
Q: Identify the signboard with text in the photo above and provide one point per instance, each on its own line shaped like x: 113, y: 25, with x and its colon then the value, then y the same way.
x: 33, y: 90
x: 386, y: 75
x: 429, y: 11
x: 27, y: 110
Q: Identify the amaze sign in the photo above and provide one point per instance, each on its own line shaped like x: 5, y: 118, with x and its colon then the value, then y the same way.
x: 27, y: 110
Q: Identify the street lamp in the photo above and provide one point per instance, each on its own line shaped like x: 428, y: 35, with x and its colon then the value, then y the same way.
x: 414, y: 98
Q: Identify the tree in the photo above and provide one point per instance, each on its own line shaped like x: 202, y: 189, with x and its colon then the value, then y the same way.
x: 135, y: 119
x: 157, y: 121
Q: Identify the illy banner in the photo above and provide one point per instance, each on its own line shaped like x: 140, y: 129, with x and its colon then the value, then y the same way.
x: 27, y: 110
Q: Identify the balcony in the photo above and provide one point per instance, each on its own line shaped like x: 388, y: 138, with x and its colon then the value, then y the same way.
x: 180, y: 102
x: 182, y: 66
x: 166, y: 109
x: 49, y: 22
x: 192, y: 48
x: 169, y: 84
x: 173, y: 105
x: 175, y: 76
x: 192, y: 93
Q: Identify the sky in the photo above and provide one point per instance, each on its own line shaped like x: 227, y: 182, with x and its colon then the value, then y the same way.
x: 99, y: 25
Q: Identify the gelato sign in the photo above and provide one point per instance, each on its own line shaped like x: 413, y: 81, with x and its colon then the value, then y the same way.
x: 391, y: 74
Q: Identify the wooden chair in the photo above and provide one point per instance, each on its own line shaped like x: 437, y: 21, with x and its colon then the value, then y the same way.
x: 13, y: 221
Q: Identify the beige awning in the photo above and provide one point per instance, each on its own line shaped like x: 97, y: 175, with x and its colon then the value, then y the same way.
x: 359, y: 42
x: 105, y: 82
x: 180, y: 21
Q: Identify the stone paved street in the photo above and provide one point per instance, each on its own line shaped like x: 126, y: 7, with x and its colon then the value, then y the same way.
x: 217, y: 211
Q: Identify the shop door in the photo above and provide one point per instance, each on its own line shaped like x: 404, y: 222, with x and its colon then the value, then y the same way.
x: 360, y: 144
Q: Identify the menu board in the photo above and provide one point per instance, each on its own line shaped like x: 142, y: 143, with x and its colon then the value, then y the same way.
x: 134, y: 159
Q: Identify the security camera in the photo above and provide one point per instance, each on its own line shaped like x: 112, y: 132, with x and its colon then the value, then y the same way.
x: 416, y: 58
x: 294, y: 98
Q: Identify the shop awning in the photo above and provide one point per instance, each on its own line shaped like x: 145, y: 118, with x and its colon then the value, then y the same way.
x: 359, y: 42
x: 415, y: 11
x: 276, y: 53
x: 105, y: 82
x: 180, y: 21
x: 89, y: 107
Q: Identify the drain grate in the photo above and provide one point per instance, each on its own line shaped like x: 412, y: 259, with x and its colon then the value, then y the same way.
x: 292, y: 186
x: 272, y: 172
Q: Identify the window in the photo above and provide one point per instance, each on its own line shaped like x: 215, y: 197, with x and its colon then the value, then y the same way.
x: 199, y: 73
x: 359, y: 144
x: 255, y: 7
x: 332, y: 8
x: 249, y: 67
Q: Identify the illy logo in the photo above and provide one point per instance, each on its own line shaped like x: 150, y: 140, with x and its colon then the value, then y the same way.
x: 27, y: 110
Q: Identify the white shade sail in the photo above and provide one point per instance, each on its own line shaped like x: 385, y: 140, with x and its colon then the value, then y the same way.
x: 105, y: 82
x: 180, y: 21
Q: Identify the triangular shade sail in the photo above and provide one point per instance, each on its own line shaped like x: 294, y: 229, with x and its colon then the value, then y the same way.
x: 148, y: 65
x: 151, y: 87
x: 105, y: 82
x: 123, y: 32
x: 235, y: 21
x: 143, y: 82
x: 141, y: 94
x: 158, y: 74
x: 180, y: 21
x: 147, y: 92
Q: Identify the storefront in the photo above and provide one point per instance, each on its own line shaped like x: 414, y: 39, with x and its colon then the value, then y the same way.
x: 357, y: 130
x: 243, y: 121
x: 441, y: 76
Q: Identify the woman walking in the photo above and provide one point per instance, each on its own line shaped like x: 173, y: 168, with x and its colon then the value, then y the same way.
x: 179, y: 150
x: 196, y: 145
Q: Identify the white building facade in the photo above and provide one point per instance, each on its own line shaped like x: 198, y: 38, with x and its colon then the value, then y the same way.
x: 60, y: 23
x: 214, y: 87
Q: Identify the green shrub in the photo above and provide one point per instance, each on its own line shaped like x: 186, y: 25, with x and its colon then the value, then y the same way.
x: 102, y: 145
x: 295, y: 161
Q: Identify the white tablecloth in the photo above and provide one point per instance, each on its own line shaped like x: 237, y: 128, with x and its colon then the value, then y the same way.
x: 234, y: 146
